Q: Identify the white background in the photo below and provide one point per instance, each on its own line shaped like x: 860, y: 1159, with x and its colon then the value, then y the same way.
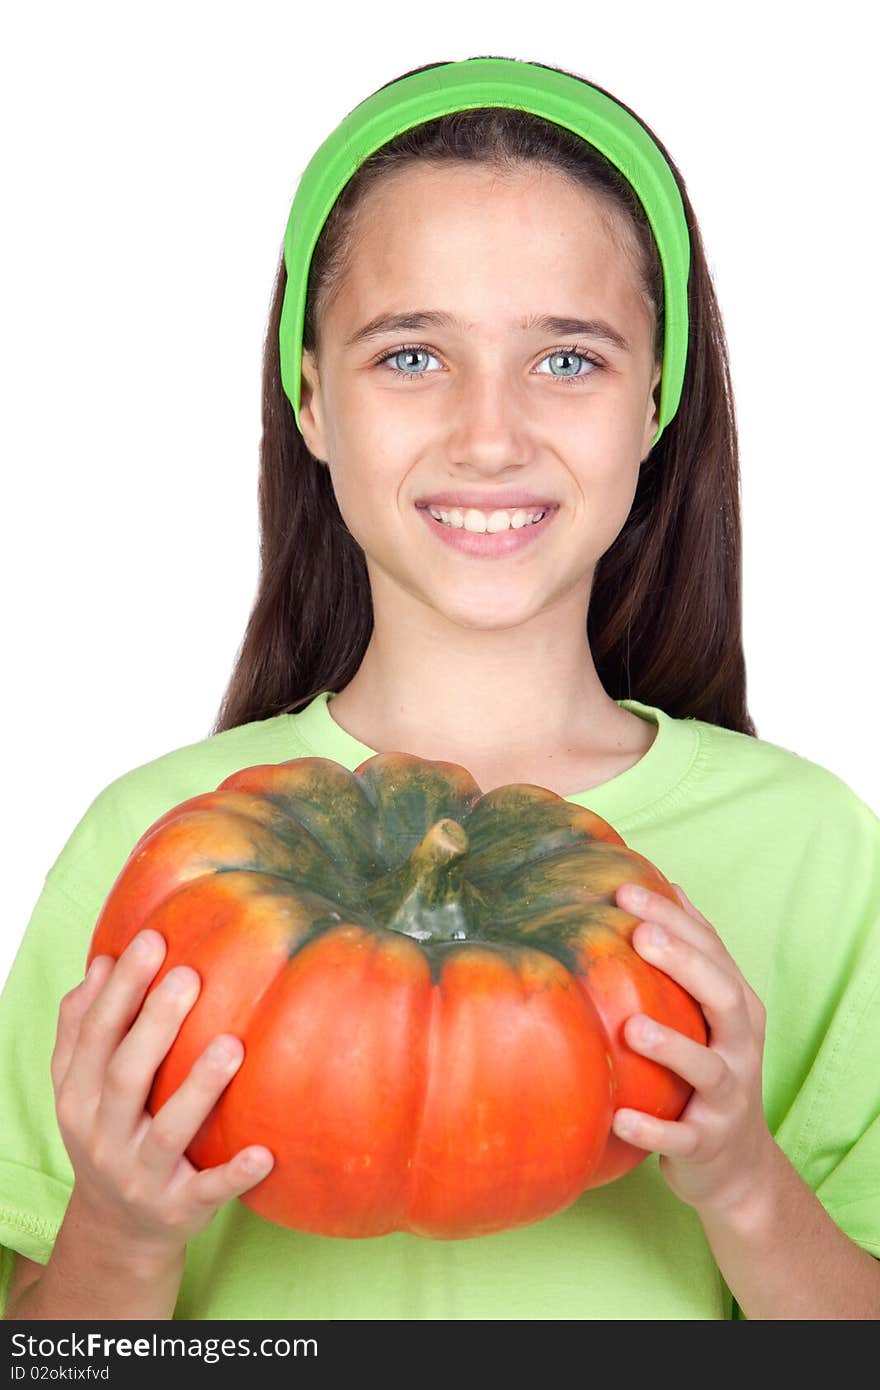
x: 151, y: 155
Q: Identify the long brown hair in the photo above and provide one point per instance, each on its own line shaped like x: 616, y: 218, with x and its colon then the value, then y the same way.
x: 665, y: 613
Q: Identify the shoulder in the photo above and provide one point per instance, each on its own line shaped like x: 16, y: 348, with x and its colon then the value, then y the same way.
x: 781, y: 781
x: 122, y: 810
x: 780, y: 826
x: 200, y: 766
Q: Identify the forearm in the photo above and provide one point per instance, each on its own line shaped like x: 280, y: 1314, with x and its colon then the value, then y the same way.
x: 783, y: 1257
x: 89, y: 1275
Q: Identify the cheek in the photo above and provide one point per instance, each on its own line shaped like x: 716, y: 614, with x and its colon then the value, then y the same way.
x: 369, y: 440
x: 608, y: 473
x: 367, y: 487
x: 605, y: 492
x: 355, y: 424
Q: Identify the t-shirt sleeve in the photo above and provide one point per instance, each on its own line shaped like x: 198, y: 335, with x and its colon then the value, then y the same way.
x: 36, y: 1176
x: 838, y: 1150
x: 833, y: 1130
x: 826, y: 994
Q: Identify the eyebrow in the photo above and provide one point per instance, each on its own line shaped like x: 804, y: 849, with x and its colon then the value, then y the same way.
x: 416, y: 320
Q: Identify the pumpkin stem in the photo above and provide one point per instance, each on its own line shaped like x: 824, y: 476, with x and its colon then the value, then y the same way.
x: 427, y: 896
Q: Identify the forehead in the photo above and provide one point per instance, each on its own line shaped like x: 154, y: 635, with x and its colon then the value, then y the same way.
x: 490, y: 244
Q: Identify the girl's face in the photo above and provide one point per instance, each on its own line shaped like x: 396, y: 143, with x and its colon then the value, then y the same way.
x: 486, y: 403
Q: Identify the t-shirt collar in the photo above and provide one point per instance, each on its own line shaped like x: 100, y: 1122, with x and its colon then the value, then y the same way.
x: 640, y: 792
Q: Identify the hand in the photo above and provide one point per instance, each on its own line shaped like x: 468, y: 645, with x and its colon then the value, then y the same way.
x: 131, y: 1174
x: 720, y: 1147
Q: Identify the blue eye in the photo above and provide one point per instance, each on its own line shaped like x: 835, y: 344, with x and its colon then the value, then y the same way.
x: 595, y: 365
x: 406, y: 351
x: 414, y: 349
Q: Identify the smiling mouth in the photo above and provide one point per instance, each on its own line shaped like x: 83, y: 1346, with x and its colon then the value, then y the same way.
x: 484, y: 544
x: 485, y: 520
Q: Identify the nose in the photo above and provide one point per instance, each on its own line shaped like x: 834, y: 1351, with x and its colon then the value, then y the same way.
x: 488, y: 421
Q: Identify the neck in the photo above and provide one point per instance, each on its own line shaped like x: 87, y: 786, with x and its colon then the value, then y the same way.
x: 491, y: 696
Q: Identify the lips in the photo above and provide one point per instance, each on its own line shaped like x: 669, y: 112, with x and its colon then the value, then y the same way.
x: 488, y: 501
x: 487, y: 545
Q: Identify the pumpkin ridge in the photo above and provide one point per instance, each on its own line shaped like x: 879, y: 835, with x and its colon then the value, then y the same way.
x: 430, y: 983
x: 431, y: 1053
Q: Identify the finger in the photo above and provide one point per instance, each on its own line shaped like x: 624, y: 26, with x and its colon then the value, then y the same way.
x: 173, y: 1127
x: 718, y: 989
x: 70, y: 1013
x: 131, y: 1070
x: 654, y: 907
x: 675, y: 1138
x: 214, y: 1186
x: 108, y: 1018
x: 705, y: 1069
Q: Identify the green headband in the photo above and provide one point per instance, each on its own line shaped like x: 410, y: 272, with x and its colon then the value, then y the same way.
x: 461, y: 86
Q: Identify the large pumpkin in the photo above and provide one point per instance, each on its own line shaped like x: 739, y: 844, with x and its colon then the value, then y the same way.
x: 430, y: 984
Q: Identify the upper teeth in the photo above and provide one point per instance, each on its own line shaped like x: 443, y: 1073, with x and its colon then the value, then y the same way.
x: 473, y: 519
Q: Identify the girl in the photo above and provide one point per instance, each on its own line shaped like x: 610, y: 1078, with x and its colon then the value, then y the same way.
x: 497, y: 499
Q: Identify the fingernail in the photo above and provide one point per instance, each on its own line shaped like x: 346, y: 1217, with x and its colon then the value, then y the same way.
x: 147, y: 943
x: 635, y: 895
x: 225, y: 1053
x: 649, y: 1032
x: 624, y: 1126
x: 254, y: 1162
x: 182, y: 980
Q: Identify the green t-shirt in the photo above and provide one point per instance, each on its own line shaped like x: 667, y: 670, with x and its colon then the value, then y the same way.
x: 781, y: 856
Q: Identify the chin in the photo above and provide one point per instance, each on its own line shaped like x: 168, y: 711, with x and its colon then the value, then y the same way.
x: 490, y: 615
